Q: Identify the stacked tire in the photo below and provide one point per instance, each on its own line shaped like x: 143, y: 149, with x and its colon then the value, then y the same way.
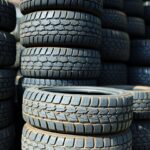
x: 115, y: 44
x: 72, y: 118
x: 138, y: 73
x: 62, y: 41
x: 141, y: 114
x: 7, y: 75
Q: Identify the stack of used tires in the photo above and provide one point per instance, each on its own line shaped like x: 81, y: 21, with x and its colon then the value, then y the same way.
x: 7, y: 75
x: 115, y: 44
x: 62, y: 41
x: 138, y: 73
x: 141, y: 114
x: 74, y: 118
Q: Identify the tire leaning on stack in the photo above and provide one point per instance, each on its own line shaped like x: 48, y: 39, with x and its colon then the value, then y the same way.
x: 7, y: 75
x: 81, y: 111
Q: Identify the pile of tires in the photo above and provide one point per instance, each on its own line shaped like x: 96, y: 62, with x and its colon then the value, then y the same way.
x: 7, y: 75
x: 69, y: 118
x: 141, y: 114
x: 62, y: 41
x: 115, y: 44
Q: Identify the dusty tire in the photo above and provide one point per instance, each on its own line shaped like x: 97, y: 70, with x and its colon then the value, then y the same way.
x: 76, y: 111
x: 147, y: 11
x: 7, y: 16
x: 141, y: 100
x: 61, y: 28
x: 56, y: 63
x: 140, y: 52
x: 139, y: 76
x: 134, y: 8
x: 113, y: 74
x: 136, y: 27
x: 114, y: 19
x: 115, y: 44
x: 7, y: 83
x: 7, y: 49
x: 141, y: 135
x: 89, y: 6
x: 115, y: 4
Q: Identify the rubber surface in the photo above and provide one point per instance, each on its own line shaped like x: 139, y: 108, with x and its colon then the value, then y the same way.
x: 35, y: 139
x: 60, y: 63
x: 89, y: 6
x: 140, y: 52
x: 134, y: 8
x: 61, y: 28
x: 7, y: 49
x: 113, y: 74
x: 114, y: 19
x: 147, y: 33
x: 7, y: 16
x: 139, y: 76
x: 141, y: 135
x: 115, y: 44
x: 115, y: 4
x: 7, y: 83
x: 147, y: 11
x: 78, y: 110
x: 141, y: 100
x: 136, y: 27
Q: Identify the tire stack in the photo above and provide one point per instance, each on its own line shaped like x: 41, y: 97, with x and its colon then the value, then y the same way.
x: 74, y: 118
x: 115, y: 44
x: 141, y: 114
x: 62, y: 41
x: 7, y: 75
x: 138, y: 73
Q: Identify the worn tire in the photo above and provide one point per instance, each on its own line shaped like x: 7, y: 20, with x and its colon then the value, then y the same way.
x: 147, y: 11
x: 115, y: 44
x: 115, y: 4
x: 141, y: 100
x: 7, y: 16
x: 7, y: 136
x: 140, y: 52
x: 78, y: 110
x: 89, y: 6
x: 64, y: 63
x: 114, y: 19
x: 61, y: 28
x: 141, y: 135
x: 134, y: 8
x: 113, y: 74
x: 7, y: 83
x: 136, y: 27
x: 35, y: 139
x: 139, y: 76
x: 7, y: 49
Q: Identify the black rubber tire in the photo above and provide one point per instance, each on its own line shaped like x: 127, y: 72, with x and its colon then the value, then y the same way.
x: 114, y: 19
x: 136, y: 27
x: 140, y: 52
x: 115, y: 4
x: 147, y: 11
x: 61, y: 28
x: 134, y: 8
x: 7, y: 49
x: 7, y: 16
x: 139, y: 76
x: 147, y: 33
x: 141, y: 100
x: 89, y: 6
x: 36, y: 138
x: 78, y: 110
x: 115, y: 44
x: 7, y: 136
x: 60, y: 63
x: 7, y: 83
x: 6, y: 113
x: 141, y: 135
x: 113, y: 74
